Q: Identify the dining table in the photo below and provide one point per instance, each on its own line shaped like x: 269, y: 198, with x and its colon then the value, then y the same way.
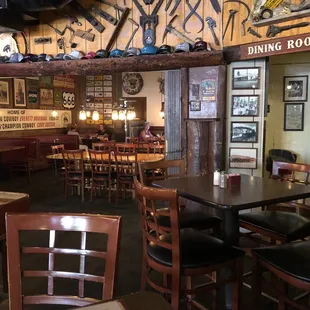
x: 141, y: 157
x: 252, y: 192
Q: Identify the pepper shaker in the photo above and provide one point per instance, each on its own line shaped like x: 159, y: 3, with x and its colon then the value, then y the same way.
x: 223, y: 180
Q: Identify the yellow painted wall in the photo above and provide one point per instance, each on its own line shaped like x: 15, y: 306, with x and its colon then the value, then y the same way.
x: 205, y: 9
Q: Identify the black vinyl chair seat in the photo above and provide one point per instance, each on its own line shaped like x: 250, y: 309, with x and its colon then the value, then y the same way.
x: 291, y: 258
x: 289, y: 225
x: 191, y: 219
x: 197, y: 250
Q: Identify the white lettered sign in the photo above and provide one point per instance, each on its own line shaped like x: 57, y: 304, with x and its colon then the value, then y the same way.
x: 24, y: 119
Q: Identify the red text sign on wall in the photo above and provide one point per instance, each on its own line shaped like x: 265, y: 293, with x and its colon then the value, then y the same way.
x: 293, y: 44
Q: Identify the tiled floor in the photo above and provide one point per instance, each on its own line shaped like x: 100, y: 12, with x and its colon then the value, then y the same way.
x: 46, y: 194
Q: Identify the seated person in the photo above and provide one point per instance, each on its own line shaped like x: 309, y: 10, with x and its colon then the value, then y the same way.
x: 104, y: 133
x: 73, y: 131
x: 145, y: 133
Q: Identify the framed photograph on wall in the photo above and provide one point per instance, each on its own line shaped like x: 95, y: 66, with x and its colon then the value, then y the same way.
x: 46, y: 96
x: 294, y: 116
x: 246, y: 78
x: 244, y: 105
x: 244, y: 132
x: 4, y: 92
x: 19, y: 93
x: 295, y: 88
x: 242, y: 158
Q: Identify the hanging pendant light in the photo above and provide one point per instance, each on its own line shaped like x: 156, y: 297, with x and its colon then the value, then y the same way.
x: 95, y: 116
x: 82, y: 115
x: 88, y: 114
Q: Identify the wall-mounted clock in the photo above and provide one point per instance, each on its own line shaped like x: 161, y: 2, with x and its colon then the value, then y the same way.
x: 132, y: 83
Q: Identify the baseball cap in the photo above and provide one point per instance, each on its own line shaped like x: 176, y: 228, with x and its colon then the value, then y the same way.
x: 30, y: 58
x: 116, y: 53
x: 183, y: 47
x: 89, y: 55
x: 101, y: 54
x: 201, y: 46
x: 74, y: 55
x: 44, y: 57
x: 4, y: 59
x: 165, y: 49
x: 149, y: 50
x: 132, y: 51
x: 59, y: 56
x: 16, y: 57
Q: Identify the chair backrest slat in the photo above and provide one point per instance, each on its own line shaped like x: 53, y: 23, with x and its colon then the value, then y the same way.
x: 104, y: 146
x: 53, y: 222
x: 73, y: 161
x: 57, y: 149
x: 100, y: 162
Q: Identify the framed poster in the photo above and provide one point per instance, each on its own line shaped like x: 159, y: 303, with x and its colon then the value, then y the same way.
x: 19, y: 93
x: 246, y: 78
x: 4, y: 92
x: 46, y: 96
x: 244, y: 132
x: 243, y: 105
x: 294, y: 116
x: 295, y: 88
x: 195, y: 105
x: 242, y: 158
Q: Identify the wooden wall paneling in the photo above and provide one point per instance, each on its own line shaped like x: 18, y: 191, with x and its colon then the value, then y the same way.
x: 209, y: 11
x: 35, y: 32
x: 127, y: 30
x: 248, y: 38
x: 49, y: 33
x: 137, y: 40
x: 171, y: 39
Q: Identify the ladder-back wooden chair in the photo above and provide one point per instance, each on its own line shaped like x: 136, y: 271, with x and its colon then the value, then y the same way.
x: 126, y: 169
x: 182, y: 253
x: 101, y: 171
x: 74, y: 170
x: 60, y: 223
x: 167, y: 169
x: 104, y: 146
x: 57, y: 149
x: 125, y: 148
x: 142, y: 147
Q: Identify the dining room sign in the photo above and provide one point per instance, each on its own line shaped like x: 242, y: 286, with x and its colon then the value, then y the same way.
x: 22, y: 119
x: 292, y: 44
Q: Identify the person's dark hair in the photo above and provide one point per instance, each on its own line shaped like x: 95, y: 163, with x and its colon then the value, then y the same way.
x: 73, y: 126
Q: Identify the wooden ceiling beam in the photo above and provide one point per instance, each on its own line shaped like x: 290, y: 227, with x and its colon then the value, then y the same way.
x: 113, y: 65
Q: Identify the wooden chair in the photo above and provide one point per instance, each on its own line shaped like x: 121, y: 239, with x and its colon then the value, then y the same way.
x: 126, y: 169
x: 125, y: 148
x: 57, y: 149
x: 290, y: 264
x: 52, y: 222
x: 27, y: 164
x: 142, y: 147
x: 157, y: 148
x: 101, y: 171
x: 16, y: 202
x: 166, y: 169
x: 278, y: 225
x: 104, y: 146
x: 185, y: 253
x: 74, y: 170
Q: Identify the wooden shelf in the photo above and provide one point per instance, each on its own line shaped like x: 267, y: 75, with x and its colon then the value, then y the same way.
x: 113, y: 65
x: 282, y: 18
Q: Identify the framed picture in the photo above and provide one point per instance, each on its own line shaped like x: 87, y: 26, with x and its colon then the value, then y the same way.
x: 19, y: 93
x: 295, y: 88
x: 243, y: 105
x: 246, y: 78
x: 195, y: 105
x: 294, y: 116
x: 46, y: 96
x: 4, y: 92
x: 242, y: 158
x: 244, y: 132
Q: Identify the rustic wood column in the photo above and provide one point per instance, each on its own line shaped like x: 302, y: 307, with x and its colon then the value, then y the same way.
x: 173, y: 114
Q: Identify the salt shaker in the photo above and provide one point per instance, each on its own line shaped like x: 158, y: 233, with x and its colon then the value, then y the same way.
x: 223, y: 180
x: 216, y: 178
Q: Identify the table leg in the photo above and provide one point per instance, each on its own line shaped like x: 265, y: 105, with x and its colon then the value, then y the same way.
x: 230, y: 235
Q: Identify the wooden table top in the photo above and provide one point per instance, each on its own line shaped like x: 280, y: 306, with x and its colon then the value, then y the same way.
x: 252, y: 192
x: 11, y: 148
x: 137, y: 301
x: 140, y: 157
